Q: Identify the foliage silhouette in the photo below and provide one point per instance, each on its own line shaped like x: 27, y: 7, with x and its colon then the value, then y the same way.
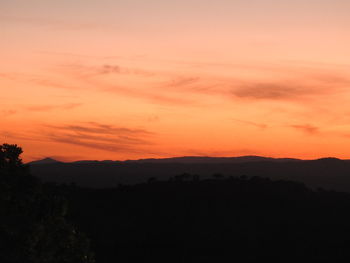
x: 228, y: 220
x: 184, y: 219
x: 33, y: 227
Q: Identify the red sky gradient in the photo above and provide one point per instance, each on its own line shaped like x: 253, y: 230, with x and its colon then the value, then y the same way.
x: 103, y: 79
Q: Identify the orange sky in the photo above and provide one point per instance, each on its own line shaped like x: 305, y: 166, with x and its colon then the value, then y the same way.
x: 103, y: 79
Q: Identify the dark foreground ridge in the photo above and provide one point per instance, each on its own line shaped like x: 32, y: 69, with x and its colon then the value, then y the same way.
x: 328, y: 173
x: 215, y: 220
x: 183, y: 219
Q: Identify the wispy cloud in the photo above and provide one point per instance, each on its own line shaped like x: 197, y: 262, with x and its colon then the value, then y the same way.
x: 191, y: 89
x: 50, y: 23
x: 39, y: 80
x: 115, y: 69
x: 41, y: 108
x: 98, y: 128
x: 153, y: 97
x: 306, y: 128
x: 53, y: 84
x: 91, y: 135
x: 182, y: 81
x: 294, y: 89
x: 83, y: 141
x: 157, y: 87
x: 271, y: 91
x: 101, y: 136
x: 23, y: 135
x: 8, y: 112
x: 8, y: 76
x: 251, y: 123
x: 106, y: 69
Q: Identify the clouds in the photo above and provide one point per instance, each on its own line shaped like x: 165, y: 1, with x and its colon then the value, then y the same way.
x: 49, y: 23
x: 115, y: 69
x: 96, y: 70
x: 148, y: 96
x: 92, y: 135
x: 7, y: 113
x: 179, y: 85
x: 45, y: 108
x: 264, y: 102
x: 100, y: 136
x: 271, y: 91
x: 101, y: 129
x: 182, y: 81
x: 294, y: 89
x: 306, y: 128
x: 251, y: 123
x: 67, y: 70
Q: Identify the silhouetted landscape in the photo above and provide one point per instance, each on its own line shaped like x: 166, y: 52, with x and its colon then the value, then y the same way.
x: 184, y: 131
x: 180, y: 217
x: 327, y: 173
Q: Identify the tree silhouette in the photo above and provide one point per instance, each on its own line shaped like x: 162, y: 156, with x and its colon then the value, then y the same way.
x: 195, y: 178
x: 218, y: 176
x: 9, y: 156
x: 152, y: 180
x: 33, y: 227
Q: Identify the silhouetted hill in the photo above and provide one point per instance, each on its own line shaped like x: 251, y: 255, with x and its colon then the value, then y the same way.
x: 205, y: 159
x: 183, y: 159
x: 223, y: 220
x: 44, y: 161
x: 328, y: 173
x: 95, y: 161
x: 179, y: 217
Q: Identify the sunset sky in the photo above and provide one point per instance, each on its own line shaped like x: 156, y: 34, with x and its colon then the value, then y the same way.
x: 129, y: 79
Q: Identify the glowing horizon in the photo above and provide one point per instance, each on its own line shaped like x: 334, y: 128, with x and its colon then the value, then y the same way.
x: 150, y: 79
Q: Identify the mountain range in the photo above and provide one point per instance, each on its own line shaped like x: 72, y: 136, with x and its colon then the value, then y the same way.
x: 183, y: 159
x: 327, y: 173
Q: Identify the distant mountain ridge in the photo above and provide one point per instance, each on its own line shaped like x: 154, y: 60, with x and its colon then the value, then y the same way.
x: 328, y: 173
x: 182, y: 159
x: 207, y: 159
x: 47, y: 160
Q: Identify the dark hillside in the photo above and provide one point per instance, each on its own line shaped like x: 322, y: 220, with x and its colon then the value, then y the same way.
x: 221, y: 220
x: 328, y: 173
